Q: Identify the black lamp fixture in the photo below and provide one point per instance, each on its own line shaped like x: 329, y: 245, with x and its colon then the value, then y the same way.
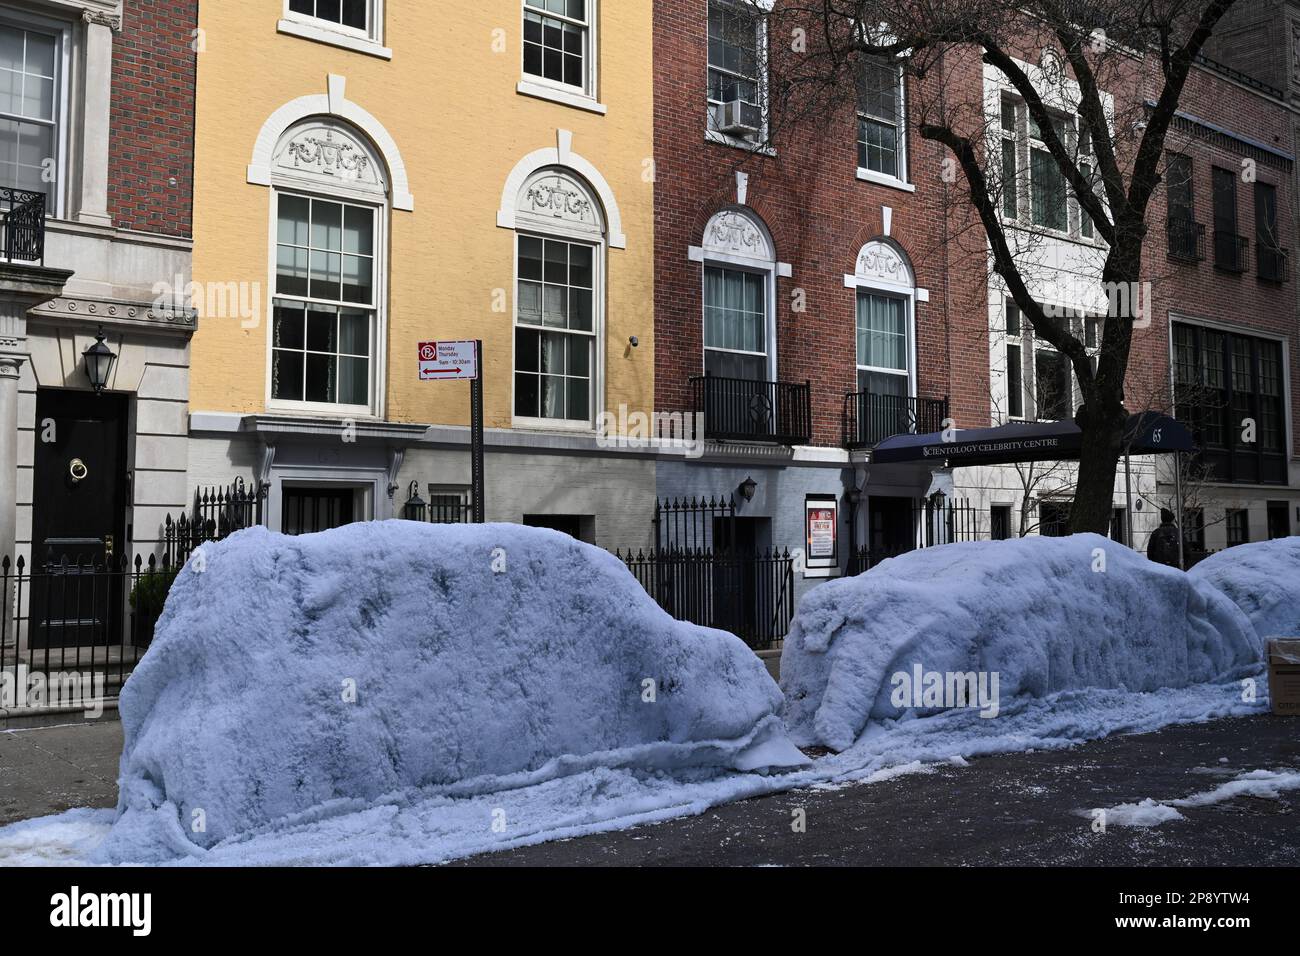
x: 414, y: 509
x: 99, y: 362
x: 747, y: 489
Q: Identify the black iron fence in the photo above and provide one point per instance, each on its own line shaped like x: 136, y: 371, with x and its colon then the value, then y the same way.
x: 688, y: 524
x: 738, y: 409
x: 935, y: 521
x: 750, y: 594
x: 22, y: 225
x: 70, y: 632
x: 218, y: 512
x: 869, y: 419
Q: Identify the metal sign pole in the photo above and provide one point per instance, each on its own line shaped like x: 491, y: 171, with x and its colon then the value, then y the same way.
x: 476, y: 435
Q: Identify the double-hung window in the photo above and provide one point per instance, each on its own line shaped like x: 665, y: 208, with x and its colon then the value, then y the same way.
x: 1049, y: 204
x: 883, y: 367
x: 349, y: 14
x: 1010, y: 183
x: 735, y: 323
x: 736, y: 83
x: 1270, y: 257
x: 1229, y: 246
x: 29, y: 115
x: 557, y: 42
x: 1015, y: 362
x: 1184, y: 233
x: 881, y: 119
x: 555, y: 332
x: 323, y: 335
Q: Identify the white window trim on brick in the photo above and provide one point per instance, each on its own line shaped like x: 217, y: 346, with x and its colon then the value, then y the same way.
x: 369, y: 41
x: 884, y: 179
x: 95, y: 189
x: 737, y: 239
x: 565, y: 94
x: 882, y: 269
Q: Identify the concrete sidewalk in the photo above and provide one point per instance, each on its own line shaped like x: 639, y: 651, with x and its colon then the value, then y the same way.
x: 47, y: 770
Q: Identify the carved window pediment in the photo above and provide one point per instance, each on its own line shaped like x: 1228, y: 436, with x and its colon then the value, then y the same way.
x: 882, y: 262
x: 553, y: 197
x: 322, y: 152
x: 731, y: 232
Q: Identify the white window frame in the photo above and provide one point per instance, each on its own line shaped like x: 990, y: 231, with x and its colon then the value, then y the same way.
x: 56, y: 200
x: 588, y: 97
x: 596, y: 403
x: 759, y: 144
x: 909, y: 337
x: 883, y: 179
x: 768, y: 299
x: 379, y: 327
x: 370, y: 40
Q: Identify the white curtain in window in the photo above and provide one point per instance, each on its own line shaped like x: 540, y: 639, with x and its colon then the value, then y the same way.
x: 882, y: 332
x: 734, y: 316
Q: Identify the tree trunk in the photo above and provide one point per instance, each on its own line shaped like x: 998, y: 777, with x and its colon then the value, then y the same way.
x: 1094, y: 494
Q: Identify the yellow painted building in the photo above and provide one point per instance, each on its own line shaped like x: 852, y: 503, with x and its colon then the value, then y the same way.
x: 374, y: 174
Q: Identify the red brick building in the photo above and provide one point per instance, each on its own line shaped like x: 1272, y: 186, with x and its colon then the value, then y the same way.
x: 805, y: 292
x: 818, y: 289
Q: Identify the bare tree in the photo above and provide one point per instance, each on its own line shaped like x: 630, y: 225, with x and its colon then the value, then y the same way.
x: 1117, y: 72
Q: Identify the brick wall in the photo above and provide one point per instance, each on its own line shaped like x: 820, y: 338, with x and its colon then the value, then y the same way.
x: 819, y: 215
x: 1200, y: 290
x: 151, y: 148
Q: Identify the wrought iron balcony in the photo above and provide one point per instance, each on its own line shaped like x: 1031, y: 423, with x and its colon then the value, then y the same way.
x: 870, y: 418
x: 738, y: 409
x: 1271, y: 263
x: 22, y: 225
x: 1186, y: 240
x: 1230, y: 251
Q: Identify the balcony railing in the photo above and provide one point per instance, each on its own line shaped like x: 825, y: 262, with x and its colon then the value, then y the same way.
x: 1230, y: 251
x: 1186, y: 240
x: 737, y: 409
x: 870, y: 418
x: 1271, y: 263
x: 22, y: 225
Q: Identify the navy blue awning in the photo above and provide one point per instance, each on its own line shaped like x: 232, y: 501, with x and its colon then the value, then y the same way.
x: 1148, y: 433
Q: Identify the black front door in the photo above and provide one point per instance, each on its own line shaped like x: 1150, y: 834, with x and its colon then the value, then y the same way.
x: 890, y: 526
x: 737, y: 591
x: 78, y: 518
x: 308, y: 510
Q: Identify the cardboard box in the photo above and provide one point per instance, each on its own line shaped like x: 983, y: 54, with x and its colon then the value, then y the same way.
x: 1284, y: 675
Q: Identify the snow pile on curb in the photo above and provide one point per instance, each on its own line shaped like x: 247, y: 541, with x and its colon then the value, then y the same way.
x: 1042, y: 614
x: 294, y: 678
x: 1262, y: 579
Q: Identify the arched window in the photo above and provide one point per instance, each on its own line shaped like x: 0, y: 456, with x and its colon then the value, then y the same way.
x: 885, y: 321
x: 559, y: 256
x: 329, y: 218
x: 739, y: 270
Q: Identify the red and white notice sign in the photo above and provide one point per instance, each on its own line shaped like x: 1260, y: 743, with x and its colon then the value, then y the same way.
x: 448, y: 360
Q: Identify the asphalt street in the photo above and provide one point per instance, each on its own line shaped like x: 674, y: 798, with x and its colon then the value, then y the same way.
x: 1015, y: 809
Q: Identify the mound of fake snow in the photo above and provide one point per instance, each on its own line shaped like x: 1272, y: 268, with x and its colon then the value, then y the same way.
x: 289, y: 676
x: 1022, y: 618
x: 1263, y: 579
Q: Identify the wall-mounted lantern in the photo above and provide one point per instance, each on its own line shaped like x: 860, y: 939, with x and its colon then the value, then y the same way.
x: 99, y: 360
x: 415, y: 508
x: 747, y: 489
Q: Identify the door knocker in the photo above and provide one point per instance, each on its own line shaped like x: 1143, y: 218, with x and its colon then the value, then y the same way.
x: 78, y: 470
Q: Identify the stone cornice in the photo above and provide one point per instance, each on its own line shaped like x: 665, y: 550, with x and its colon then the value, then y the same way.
x: 116, y: 312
